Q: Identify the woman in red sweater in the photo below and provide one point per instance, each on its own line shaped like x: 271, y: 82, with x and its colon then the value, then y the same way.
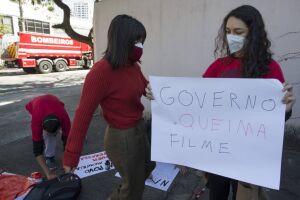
x: 244, y: 49
x: 116, y: 83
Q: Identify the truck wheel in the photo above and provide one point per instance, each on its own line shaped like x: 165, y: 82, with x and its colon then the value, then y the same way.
x: 45, y: 67
x: 60, y: 66
x: 29, y: 70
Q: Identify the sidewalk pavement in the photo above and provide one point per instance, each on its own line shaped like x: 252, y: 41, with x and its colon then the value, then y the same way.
x: 17, y: 157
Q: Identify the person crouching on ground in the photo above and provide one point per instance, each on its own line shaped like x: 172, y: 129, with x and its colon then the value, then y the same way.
x: 48, y: 119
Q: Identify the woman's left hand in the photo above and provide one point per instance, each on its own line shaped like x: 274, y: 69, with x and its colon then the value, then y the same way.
x: 289, y: 98
x: 149, y: 94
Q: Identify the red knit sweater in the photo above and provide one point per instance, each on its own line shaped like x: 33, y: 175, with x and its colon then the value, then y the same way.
x: 231, y: 68
x: 42, y: 106
x: 118, y: 92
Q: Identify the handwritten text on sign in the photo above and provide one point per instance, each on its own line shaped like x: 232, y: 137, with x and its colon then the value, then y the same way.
x: 230, y: 127
x: 93, y: 164
x: 162, y: 176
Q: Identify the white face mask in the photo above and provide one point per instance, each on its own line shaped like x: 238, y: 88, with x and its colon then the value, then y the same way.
x: 235, y: 42
x: 140, y: 45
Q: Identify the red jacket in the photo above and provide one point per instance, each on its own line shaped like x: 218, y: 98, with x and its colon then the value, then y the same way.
x: 42, y: 106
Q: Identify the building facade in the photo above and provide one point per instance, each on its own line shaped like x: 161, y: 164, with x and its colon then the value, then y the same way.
x: 181, y: 34
x: 38, y: 18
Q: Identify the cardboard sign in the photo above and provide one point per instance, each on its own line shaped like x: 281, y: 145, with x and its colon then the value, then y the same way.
x: 162, y: 176
x: 93, y: 164
x: 229, y: 127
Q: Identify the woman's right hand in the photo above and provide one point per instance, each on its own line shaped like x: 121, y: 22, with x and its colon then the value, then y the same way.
x: 69, y: 169
x: 289, y: 97
x: 51, y: 176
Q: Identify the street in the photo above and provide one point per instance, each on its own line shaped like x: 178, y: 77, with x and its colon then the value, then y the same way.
x: 17, y: 88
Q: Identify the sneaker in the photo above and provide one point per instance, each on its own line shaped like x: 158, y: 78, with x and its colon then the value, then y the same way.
x: 50, y: 162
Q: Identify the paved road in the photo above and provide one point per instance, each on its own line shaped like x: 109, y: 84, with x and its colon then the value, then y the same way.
x: 17, y: 88
x: 15, y: 81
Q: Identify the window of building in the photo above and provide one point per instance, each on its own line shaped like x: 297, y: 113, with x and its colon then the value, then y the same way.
x: 46, y: 27
x: 29, y: 25
x: 36, y: 26
x: 7, y: 21
x: 81, y: 10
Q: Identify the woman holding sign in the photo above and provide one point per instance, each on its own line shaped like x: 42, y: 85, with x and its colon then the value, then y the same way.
x: 244, y: 49
x: 116, y: 83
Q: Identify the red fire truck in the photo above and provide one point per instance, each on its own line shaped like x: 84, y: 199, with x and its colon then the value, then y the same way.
x: 43, y: 53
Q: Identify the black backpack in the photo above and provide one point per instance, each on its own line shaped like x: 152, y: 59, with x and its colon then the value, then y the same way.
x: 64, y: 187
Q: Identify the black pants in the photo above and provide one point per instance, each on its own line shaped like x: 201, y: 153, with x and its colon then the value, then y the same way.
x: 219, y: 187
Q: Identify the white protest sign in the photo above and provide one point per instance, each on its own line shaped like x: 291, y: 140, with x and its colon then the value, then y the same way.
x: 229, y: 127
x: 162, y: 176
x: 93, y: 164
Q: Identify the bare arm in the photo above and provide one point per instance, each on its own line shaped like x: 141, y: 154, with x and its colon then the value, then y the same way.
x: 41, y: 161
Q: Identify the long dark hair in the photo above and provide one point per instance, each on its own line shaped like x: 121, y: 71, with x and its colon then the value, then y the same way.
x: 256, y: 54
x: 123, y: 32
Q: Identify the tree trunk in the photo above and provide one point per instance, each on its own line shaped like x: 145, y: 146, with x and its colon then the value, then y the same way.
x: 21, y: 25
x: 66, y: 25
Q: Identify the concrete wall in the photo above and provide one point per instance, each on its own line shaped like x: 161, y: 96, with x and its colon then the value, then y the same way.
x: 180, y: 40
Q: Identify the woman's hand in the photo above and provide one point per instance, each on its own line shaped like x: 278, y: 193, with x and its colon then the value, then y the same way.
x: 51, y: 176
x: 149, y: 94
x: 289, y: 98
x: 69, y: 169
